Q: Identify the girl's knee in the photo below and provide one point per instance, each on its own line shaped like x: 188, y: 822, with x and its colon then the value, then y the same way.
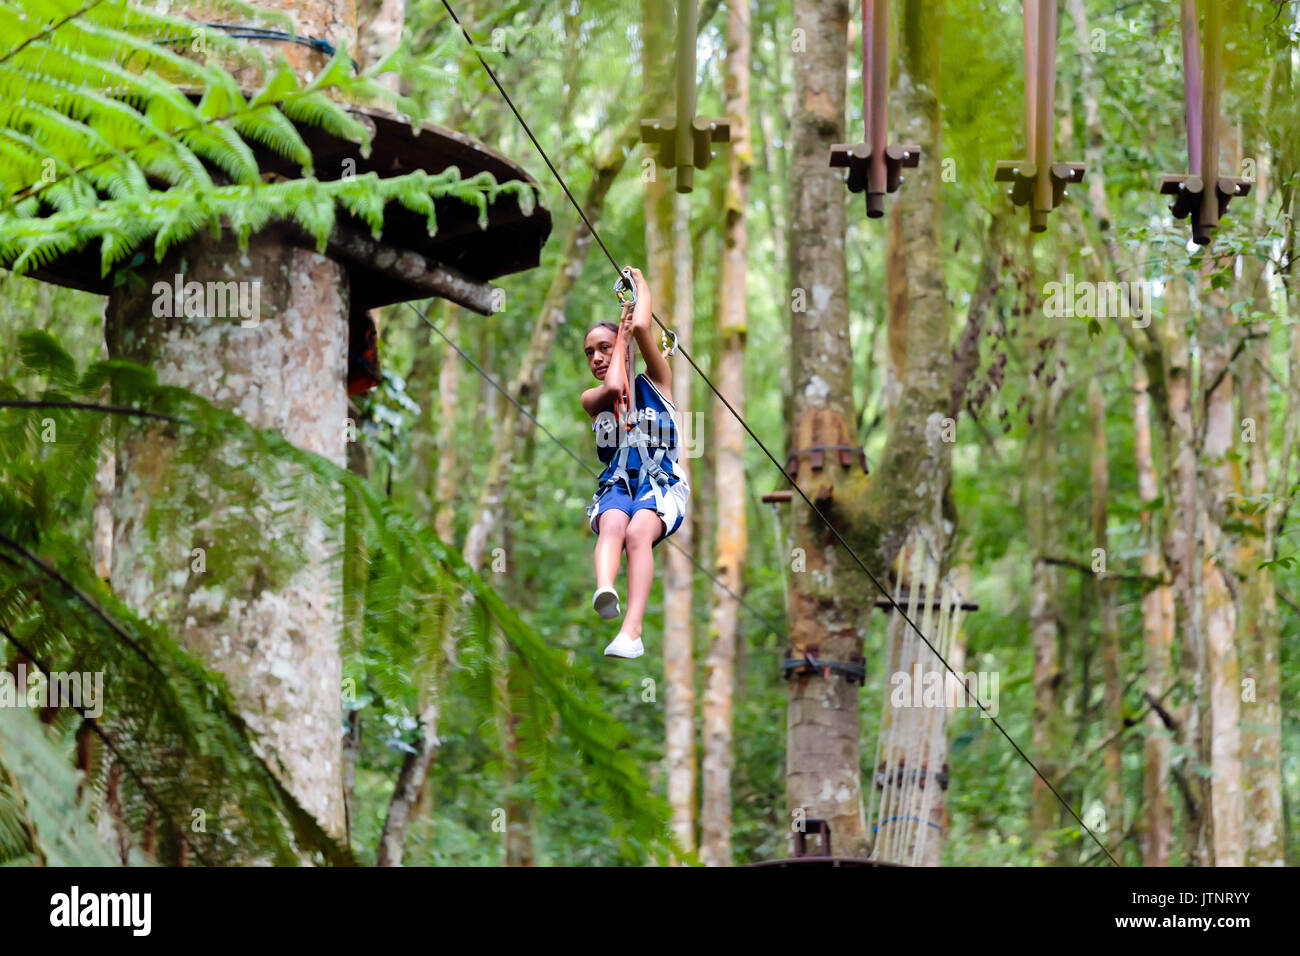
x: 612, y: 523
x: 641, y: 533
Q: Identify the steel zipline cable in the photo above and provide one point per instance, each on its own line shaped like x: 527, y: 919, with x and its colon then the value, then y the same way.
x: 758, y: 441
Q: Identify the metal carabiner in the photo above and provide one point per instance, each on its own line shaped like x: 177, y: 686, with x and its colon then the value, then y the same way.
x: 663, y: 342
x: 625, y: 288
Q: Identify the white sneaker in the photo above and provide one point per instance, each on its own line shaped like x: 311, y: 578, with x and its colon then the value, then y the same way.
x: 605, y: 603
x: 624, y: 646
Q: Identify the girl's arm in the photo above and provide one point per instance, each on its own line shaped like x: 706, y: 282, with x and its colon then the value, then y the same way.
x: 598, y: 399
x: 656, y: 367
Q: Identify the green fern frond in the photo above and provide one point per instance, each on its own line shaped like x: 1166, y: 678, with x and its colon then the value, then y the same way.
x: 43, y: 817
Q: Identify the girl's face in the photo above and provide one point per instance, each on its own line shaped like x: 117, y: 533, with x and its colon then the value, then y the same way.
x: 600, y: 350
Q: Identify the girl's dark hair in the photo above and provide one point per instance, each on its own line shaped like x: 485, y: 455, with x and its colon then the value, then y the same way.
x: 612, y: 326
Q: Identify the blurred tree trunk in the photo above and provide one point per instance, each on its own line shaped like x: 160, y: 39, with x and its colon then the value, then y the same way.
x: 679, y: 631
x: 1113, y: 756
x: 444, y: 503
x: 729, y: 439
x: 507, y: 675
x: 1182, y: 554
x: 1158, y: 638
x: 1221, y: 734
x: 672, y: 303
x: 1041, y: 506
x: 1259, y: 636
x: 379, y: 31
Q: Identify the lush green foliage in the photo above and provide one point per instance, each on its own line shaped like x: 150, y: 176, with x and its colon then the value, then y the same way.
x: 579, y: 62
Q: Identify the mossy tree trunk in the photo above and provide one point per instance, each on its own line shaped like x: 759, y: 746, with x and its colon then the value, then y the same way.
x: 271, y: 626
x: 823, y: 774
x: 919, y: 370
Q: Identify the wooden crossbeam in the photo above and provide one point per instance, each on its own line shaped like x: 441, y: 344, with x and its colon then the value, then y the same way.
x: 685, y: 142
x: 1038, y: 181
x: 1194, y: 200
x: 875, y: 166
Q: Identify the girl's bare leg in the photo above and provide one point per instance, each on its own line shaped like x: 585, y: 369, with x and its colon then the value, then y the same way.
x: 609, y: 547
x: 642, y: 531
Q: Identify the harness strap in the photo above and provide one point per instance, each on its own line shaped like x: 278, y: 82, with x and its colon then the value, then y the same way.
x: 651, y: 469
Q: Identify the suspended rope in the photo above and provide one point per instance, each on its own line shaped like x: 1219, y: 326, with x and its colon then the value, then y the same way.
x: 835, y: 533
x: 910, y: 760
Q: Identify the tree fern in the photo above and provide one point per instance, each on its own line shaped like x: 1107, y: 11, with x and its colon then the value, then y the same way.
x: 93, y: 106
x: 44, y: 818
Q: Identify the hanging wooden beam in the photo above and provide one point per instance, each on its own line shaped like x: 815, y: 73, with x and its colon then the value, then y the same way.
x: 874, y: 165
x: 1202, y: 196
x: 686, y: 141
x: 1038, y: 181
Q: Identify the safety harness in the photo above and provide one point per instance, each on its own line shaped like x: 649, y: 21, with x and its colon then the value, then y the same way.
x: 632, y: 435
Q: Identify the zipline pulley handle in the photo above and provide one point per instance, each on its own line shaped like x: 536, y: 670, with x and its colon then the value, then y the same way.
x: 625, y: 288
x: 663, y: 342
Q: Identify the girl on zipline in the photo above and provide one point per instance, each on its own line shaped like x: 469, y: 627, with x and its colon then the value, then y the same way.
x: 640, y: 499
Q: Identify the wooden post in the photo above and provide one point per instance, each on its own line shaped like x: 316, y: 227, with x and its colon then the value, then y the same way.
x: 1045, y: 126
x: 1202, y: 195
x: 1031, y: 78
x: 1213, y: 58
x: 874, y: 165
x: 687, y: 27
x: 878, y: 133
x: 1192, y: 86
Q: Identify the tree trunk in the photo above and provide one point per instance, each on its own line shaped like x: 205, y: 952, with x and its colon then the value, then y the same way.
x: 729, y: 439
x: 1158, y: 638
x: 276, y: 636
x: 1041, y: 506
x: 1222, y: 479
x: 663, y: 258
x: 1182, y: 554
x: 913, y: 740
x: 379, y: 33
x: 1113, y: 756
x: 823, y: 776
x: 1258, y: 624
x: 679, y: 632
x: 444, y: 524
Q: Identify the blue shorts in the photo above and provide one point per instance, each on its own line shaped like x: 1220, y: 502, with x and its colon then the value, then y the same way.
x: 616, y: 498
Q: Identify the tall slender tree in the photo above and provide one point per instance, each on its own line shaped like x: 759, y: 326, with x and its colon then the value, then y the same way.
x: 729, y: 437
